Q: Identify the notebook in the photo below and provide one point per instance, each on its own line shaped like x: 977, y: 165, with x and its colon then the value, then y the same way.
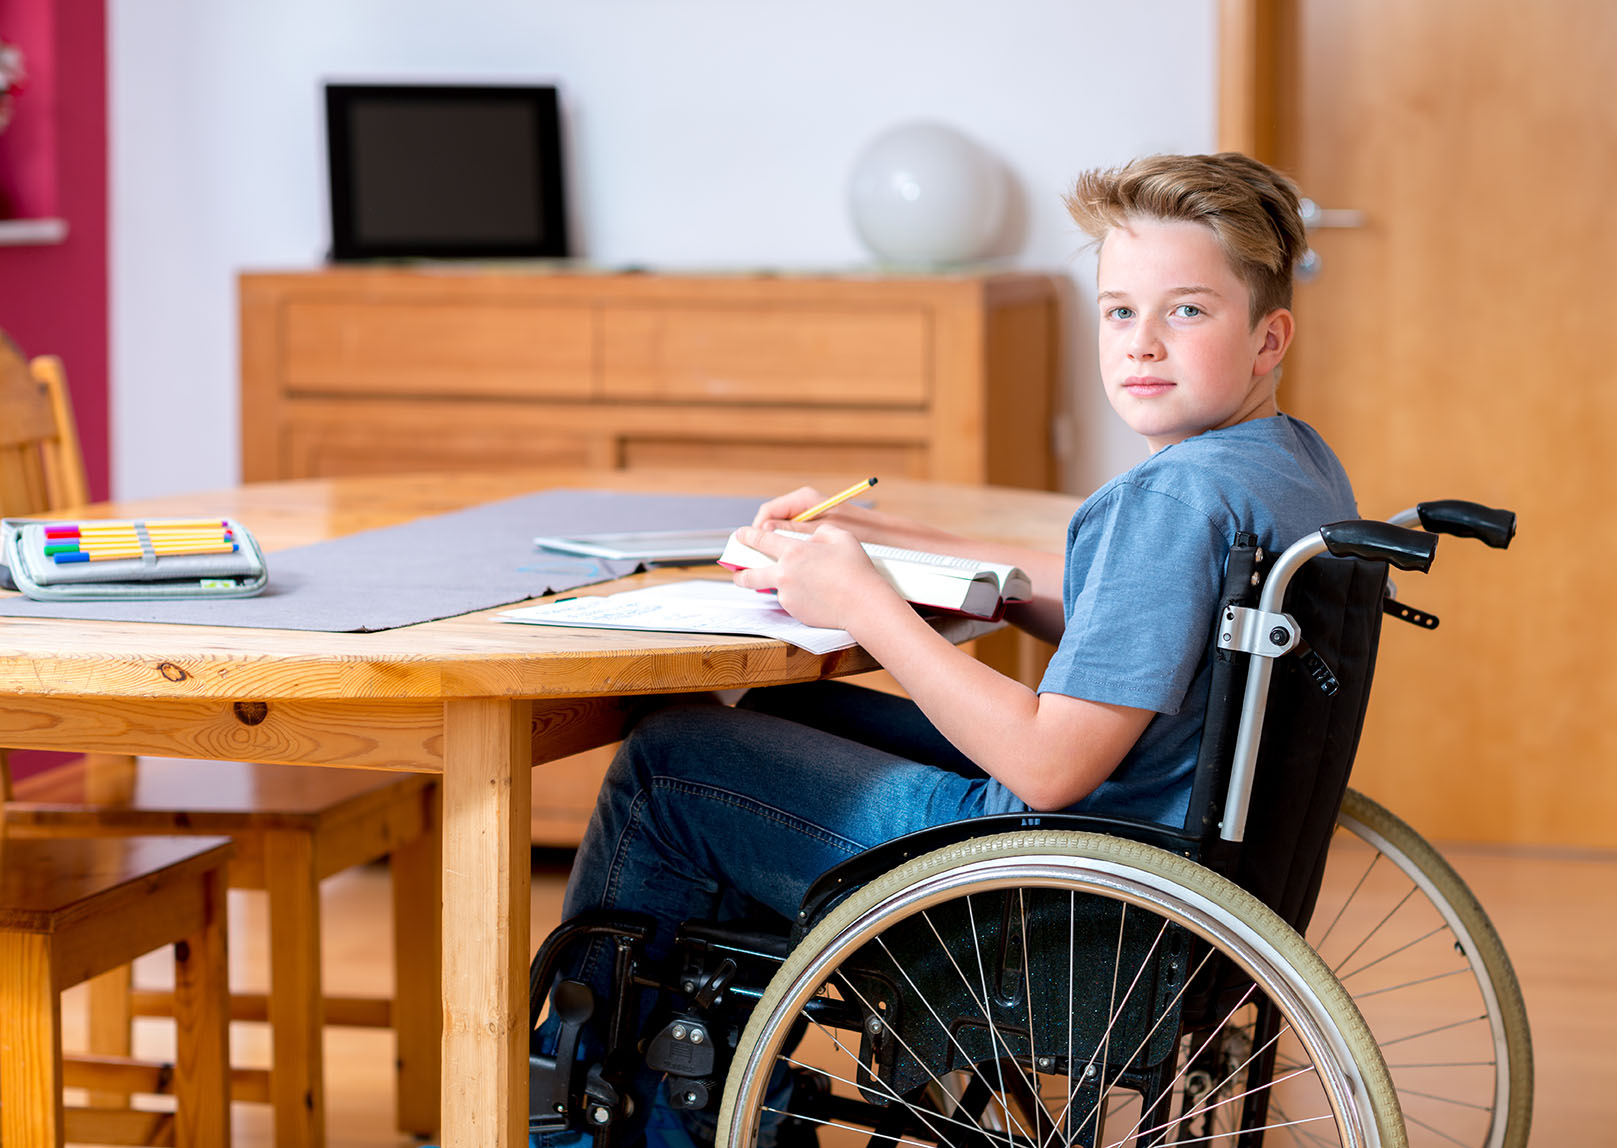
x: 966, y: 585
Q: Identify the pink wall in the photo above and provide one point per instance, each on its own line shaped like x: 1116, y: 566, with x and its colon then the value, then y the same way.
x: 53, y: 161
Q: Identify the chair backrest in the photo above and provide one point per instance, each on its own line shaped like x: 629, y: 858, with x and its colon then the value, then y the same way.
x: 1309, y: 736
x: 41, y: 465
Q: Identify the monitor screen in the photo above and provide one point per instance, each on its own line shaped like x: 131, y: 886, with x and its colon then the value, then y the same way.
x: 444, y: 171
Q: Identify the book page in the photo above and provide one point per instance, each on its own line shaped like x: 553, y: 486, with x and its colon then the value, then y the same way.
x: 695, y: 607
x: 967, y: 567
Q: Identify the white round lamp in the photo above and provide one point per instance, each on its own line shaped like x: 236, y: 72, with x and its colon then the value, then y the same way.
x: 925, y: 194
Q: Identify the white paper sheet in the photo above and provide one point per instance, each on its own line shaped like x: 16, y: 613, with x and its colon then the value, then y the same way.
x: 696, y: 607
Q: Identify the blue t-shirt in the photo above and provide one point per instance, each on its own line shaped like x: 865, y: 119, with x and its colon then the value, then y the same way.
x: 1145, y: 563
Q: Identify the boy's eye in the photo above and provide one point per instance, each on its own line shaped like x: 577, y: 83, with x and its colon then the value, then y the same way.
x: 1120, y: 313
x: 1187, y: 311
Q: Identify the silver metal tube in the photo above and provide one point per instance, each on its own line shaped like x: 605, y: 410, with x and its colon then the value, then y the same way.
x: 1253, y: 702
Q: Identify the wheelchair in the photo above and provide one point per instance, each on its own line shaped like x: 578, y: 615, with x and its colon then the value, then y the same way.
x: 1067, y: 979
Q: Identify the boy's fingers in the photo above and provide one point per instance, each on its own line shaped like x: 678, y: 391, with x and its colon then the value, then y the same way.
x: 753, y: 579
x: 783, y: 508
x: 763, y: 541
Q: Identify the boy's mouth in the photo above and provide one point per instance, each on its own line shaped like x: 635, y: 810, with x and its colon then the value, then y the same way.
x: 1143, y: 386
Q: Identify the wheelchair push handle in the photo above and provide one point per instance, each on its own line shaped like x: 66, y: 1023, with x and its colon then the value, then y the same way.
x: 1468, y: 520
x: 1380, y: 542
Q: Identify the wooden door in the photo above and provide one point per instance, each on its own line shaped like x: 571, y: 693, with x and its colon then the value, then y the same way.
x: 1456, y: 345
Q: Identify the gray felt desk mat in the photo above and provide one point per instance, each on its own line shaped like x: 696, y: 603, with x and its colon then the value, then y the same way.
x: 431, y: 568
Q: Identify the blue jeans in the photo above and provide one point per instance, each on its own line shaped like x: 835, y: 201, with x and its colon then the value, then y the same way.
x: 713, y: 812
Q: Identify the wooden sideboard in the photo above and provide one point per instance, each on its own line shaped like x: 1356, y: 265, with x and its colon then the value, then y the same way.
x: 352, y: 371
x: 349, y: 371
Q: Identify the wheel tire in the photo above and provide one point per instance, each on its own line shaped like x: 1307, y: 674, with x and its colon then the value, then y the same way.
x: 1434, y: 883
x: 1361, y: 1102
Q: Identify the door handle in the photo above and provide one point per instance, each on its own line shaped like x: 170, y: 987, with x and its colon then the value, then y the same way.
x: 1315, y: 216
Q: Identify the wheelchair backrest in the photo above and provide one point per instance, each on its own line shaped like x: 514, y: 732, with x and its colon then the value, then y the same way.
x: 1309, y: 736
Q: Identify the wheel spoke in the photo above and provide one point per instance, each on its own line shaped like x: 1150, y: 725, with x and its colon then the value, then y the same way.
x: 1433, y: 1031
x: 1408, y: 1119
x: 1345, y: 977
x: 923, y: 1113
x: 1412, y: 984
x: 943, y: 1025
x: 1446, y: 1100
x: 876, y: 1076
x: 1143, y: 1132
x: 1351, y: 897
x: 1263, y: 1128
x: 1160, y: 1018
x: 1365, y: 940
x: 1191, y: 1059
x: 874, y: 1136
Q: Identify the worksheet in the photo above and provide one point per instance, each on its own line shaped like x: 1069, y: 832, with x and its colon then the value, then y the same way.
x: 694, y: 607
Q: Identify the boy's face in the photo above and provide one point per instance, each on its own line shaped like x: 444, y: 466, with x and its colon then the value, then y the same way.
x: 1178, y: 354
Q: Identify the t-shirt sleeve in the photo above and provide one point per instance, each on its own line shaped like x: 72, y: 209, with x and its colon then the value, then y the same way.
x: 1143, y: 574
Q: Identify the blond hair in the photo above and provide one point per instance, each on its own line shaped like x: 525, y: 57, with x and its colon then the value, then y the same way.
x: 1252, y: 209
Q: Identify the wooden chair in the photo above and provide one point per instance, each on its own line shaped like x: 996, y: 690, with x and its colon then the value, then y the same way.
x: 292, y: 827
x: 72, y: 909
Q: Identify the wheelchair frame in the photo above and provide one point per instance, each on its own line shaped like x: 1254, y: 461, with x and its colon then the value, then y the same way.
x: 734, y: 994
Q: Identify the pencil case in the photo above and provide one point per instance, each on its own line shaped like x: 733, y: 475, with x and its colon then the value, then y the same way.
x: 39, y: 573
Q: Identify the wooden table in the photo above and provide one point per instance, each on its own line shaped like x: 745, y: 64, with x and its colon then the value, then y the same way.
x: 473, y: 700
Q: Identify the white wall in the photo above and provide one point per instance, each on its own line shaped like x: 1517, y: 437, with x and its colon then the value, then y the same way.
x: 700, y: 133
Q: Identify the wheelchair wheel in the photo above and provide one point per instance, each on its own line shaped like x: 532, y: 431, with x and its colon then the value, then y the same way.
x: 1406, y: 937
x: 1091, y: 990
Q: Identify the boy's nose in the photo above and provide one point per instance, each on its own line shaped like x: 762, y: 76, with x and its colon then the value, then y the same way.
x: 1145, y: 345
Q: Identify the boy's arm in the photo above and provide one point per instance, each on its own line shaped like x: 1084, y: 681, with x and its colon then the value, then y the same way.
x: 1043, y: 617
x: 1048, y: 749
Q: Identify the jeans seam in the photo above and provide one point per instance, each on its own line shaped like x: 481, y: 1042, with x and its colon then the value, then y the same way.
x: 763, y: 809
x: 614, y: 872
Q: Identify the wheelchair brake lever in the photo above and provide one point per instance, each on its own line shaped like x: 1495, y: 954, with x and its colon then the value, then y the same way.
x: 550, y: 1078
x: 707, y: 994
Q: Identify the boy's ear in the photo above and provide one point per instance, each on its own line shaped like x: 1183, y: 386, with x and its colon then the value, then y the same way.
x: 1276, y: 329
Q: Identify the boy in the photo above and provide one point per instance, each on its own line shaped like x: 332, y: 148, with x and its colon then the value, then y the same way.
x: 711, y: 811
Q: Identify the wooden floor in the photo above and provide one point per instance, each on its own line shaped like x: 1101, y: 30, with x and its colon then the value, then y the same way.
x: 1556, y: 912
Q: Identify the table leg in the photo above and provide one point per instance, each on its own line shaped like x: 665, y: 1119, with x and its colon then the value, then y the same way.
x: 488, y: 752
x: 418, y: 877
x: 202, y: 1023
x: 297, y: 1007
x: 30, y: 1042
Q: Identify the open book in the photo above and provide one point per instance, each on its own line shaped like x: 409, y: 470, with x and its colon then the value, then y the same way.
x: 967, y: 585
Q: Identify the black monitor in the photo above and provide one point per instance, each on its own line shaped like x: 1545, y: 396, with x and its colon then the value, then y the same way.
x: 444, y: 171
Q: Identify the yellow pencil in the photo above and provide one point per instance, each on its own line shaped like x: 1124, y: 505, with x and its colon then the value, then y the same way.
x: 834, y: 501
x: 109, y: 553
x: 110, y: 524
x: 131, y: 536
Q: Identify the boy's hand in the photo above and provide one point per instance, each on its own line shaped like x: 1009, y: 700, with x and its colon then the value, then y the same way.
x: 866, y: 524
x: 824, y: 580
x: 781, y: 509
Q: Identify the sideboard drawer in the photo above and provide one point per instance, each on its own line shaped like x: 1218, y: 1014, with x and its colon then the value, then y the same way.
x: 759, y: 354
x: 354, y: 437
x: 906, y: 459
x: 438, y: 348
